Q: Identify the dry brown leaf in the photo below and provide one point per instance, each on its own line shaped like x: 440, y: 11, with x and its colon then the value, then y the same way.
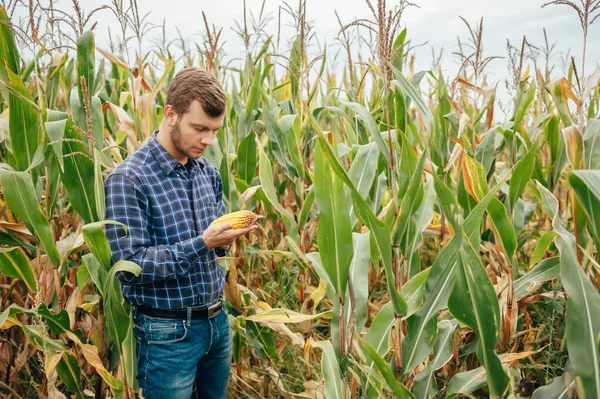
x: 509, y: 310
x: 470, y: 85
x: 592, y: 82
x: 457, y: 153
x: 249, y: 193
x: 566, y: 88
x: 470, y: 177
x: 462, y: 123
x: 113, y: 58
x: 297, y: 339
x: 125, y: 122
x: 382, y: 214
x: 17, y: 228
x: 22, y: 358
x: 574, y: 144
x: 90, y: 352
x: 52, y: 359
x: 436, y: 229
x: 147, y: 104
x: 278, y: 380
x: 113, y: 147
x: 511, y: 357
x: 53, y: 392
x: 312, y: 390
x: 2, y: 134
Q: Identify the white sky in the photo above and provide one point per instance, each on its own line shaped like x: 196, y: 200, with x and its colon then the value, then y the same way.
x: 435, y: 22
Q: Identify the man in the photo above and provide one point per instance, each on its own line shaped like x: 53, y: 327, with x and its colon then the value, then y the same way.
x: 167, y: 195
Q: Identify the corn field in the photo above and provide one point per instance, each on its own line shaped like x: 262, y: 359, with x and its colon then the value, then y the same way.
x: 413, y: 244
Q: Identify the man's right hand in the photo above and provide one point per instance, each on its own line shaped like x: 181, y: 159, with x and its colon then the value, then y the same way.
x: 223, y: 235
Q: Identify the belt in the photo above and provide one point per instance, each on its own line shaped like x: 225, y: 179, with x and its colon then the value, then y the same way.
x: 196, y: 313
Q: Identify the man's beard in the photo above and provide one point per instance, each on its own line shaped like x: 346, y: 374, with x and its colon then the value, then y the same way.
x: 176, y: 139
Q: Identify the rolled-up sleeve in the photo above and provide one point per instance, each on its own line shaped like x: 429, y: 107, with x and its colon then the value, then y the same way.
x: 126, y: 203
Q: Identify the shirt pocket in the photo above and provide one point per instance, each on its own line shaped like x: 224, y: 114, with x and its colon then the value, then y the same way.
x: 211, y: 211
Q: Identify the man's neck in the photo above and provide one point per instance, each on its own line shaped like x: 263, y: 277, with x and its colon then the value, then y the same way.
x: 164, y: 139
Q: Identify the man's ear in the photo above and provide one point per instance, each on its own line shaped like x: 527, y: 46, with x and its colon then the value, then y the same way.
x: 170, y: 115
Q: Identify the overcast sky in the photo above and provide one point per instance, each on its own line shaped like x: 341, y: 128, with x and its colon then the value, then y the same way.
x: 435, y: 23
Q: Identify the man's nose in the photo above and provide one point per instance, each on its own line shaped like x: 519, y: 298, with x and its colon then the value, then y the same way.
x: 208, y: 140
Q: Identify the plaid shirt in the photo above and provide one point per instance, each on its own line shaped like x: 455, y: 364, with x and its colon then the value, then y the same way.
x: 166, y: 206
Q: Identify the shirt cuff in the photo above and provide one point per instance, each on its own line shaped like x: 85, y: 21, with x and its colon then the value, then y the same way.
x: 194, y: 247
x: 220, y: 251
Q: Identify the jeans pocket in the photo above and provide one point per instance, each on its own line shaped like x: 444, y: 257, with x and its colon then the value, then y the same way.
x: 137, y: 334
x: 138, y: 328
x: 165, y: 331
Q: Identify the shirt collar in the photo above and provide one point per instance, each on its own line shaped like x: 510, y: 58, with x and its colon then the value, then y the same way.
x: 165, y: 160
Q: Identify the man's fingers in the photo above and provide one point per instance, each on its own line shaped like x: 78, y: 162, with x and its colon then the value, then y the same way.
x: 235, y: 233
x: 224, y: 227
x: 245, y: 230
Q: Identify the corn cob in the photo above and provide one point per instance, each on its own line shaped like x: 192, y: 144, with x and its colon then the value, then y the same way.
x: 233, y: 295
x: 239, y: 219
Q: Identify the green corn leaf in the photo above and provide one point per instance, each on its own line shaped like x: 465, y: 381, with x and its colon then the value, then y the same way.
x: 129, y: 359
x: 473, y: 302
x: 335, y: 387
x: 422, y: 326
x: 591, y: 144
x: 14, y: 264
x: 359, y: 273
x: 371, y: 125
x: 309, y: 200
x: 396, y: 387
x: 21, y: 199
x: 546, y: 270
x: 521, y: 175
x: 586, y: 185
x: 79, y: 174
x: 69, y: 373
x: 466, y: 382
x: 290, y: 128
x: 246, y: 160
x: 8, y: 48
x: 117, y: 319
x: 583, y: 307
x: 266, y: 180
x: 542, y: 246
x: 424, y: 385
x: 362, y: 172
x: 503, y: 227
x: 410, y: 91
x: 562, y: 387
x: 96, y: 270
x: 96, y: 240
x: 41, y: 340
x: 525, y: 102
x: 86, y: 58
x: 334, y: 233
x: 24, y: 121
x: 7, y: 317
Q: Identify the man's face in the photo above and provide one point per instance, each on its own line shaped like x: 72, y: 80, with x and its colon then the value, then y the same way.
x: 194, y: 131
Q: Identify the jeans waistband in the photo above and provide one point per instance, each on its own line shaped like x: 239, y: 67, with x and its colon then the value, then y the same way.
x: 206, y: 312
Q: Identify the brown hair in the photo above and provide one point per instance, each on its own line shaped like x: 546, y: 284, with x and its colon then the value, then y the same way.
x: 194, y: 84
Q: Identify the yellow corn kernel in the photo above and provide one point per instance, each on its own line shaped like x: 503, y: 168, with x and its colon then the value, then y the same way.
x: 239, y: 219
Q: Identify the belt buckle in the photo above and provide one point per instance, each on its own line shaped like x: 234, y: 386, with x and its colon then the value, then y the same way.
x: 215, y: 309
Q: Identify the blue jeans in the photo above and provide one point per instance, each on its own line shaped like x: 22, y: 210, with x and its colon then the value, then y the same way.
x: 182, y: 358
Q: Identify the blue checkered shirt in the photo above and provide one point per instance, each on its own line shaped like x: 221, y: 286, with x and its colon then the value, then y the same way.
x: 166, y: 206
